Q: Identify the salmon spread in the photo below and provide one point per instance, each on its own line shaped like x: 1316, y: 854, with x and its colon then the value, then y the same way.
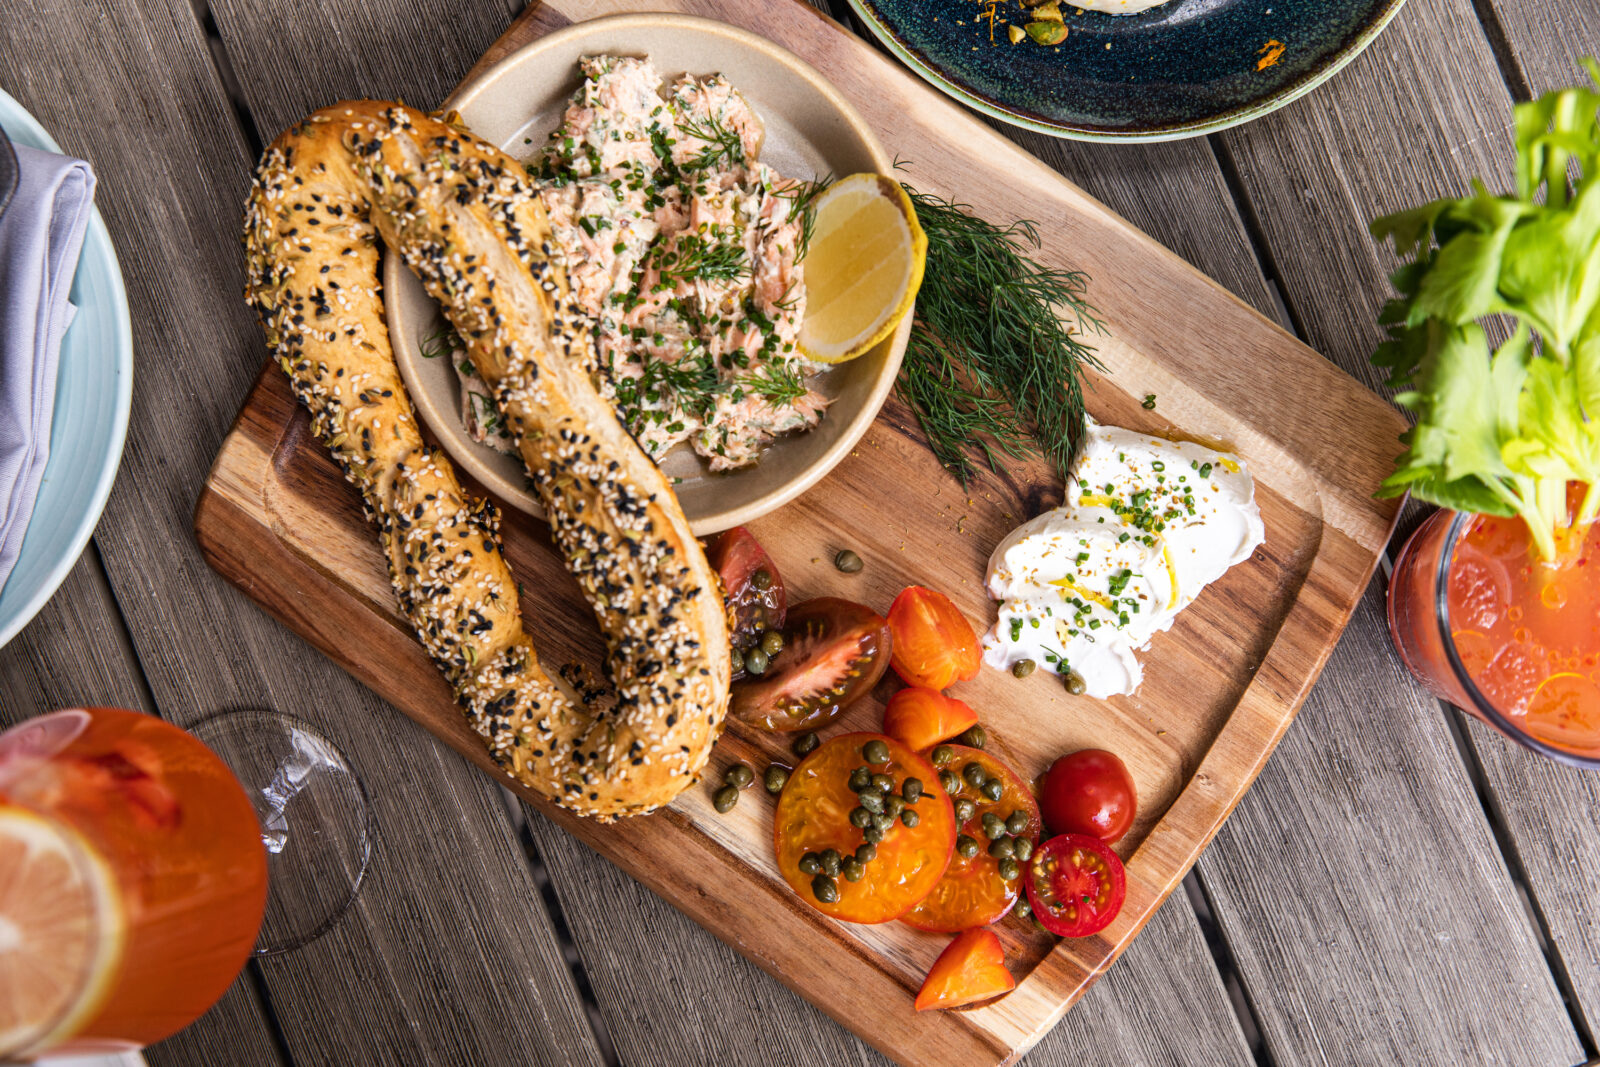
x: 685, y: 251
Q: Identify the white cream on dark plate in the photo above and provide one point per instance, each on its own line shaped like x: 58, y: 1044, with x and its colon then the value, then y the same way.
x: 1148, y: 523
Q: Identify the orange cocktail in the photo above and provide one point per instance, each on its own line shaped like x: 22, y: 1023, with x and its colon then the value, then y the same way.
x: 1485, y: 623
x: 132, y: 881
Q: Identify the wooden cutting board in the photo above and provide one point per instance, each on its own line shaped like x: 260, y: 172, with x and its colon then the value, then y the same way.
x: 1220, y: 688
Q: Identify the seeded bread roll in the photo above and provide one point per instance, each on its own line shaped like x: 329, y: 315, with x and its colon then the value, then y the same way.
x: 464, y: 218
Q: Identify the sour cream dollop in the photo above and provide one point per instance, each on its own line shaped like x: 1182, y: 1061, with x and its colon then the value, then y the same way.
x: 1148, y: 524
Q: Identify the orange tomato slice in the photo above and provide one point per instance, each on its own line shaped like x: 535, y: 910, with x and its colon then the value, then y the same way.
x: 924, y: 717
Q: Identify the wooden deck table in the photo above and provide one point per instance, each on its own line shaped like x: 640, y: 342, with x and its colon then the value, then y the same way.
x: 1400, y: 886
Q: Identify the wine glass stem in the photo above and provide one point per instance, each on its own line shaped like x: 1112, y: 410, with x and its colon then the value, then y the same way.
x: 272, y: 809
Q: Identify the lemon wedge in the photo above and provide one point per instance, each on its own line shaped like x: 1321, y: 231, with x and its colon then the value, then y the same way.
x: 862, y: 269
x: 60, y: 932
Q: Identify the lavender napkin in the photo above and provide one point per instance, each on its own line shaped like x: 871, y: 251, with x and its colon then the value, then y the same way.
x: 41, y: 234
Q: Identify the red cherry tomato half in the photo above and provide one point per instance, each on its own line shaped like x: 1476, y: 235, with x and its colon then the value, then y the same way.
x: 972, y: 968
x: 924, y: 717
x: 751, y: 586
x: 834, y: 652
x: 1089, y: 792
x: 1076, y: 885
x: 934, y: 645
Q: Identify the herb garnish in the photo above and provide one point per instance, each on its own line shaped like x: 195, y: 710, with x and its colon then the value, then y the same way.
x: 440, y: 341
x: 991, y: 363
x: 723, y: 145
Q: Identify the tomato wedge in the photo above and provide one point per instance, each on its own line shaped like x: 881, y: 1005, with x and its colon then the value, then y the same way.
x: 814, y: 829
x: 972, y: 968
x: 934, y: 645
x: 924, y: 717
x: 973, y: 891
x: 751, y: 587
x: 834, y: 652
x: 1076, y: 885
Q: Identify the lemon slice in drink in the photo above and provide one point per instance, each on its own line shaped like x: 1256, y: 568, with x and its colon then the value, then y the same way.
x: 862, y: 268
x: 60, y: 931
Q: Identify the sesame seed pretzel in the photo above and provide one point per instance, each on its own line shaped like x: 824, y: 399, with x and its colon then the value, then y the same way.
x: 463, y: 216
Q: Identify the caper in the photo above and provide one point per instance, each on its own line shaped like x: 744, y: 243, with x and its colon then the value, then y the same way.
x: 847, y: 561
x: 776, y: 778
x: 762, y: 578
x: 883, y: 822
x: 1008, y: 868
x: 1001, y: 848
x: 1075, y: 683
x: 756, y: 662
x: 973, y: 773
x: 860, y: 780
x: 872, y: 835
x: 871, y: 800
x: 809, y: 863
x: 852, y: 869
x: 893, y: 804
x: 994, y: 788
x: 805, y: 744
x: 860, y: 818
x: 910, y: 817
x: 975, y: 737
x: 1022, y: 668
x: 772, y: 642
x: 1016, y: 822
x: 965, y: 809
x: 993, y: 826
x: 875, y: 751
x: 883, y: 783
x: 725, y: 798
x: 943, y: 755
x: 911, y: 789
x: 830, y: 859
x: 825, y: 889
x: 1023, y: 908
x: 966, y: 846
x: 951, y: 783
x: 866, y: 853
x: 1023, y: 847
x: 739, y: 775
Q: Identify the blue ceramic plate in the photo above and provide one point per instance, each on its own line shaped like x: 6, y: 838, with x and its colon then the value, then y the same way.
x: 94, y: 390
x: 1185, y: 68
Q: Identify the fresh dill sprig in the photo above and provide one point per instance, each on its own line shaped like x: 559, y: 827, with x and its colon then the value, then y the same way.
x: 802, y: 197
x: 440, y: 341
x: 700, y: 258
x: 779, y: 384
x: 996, y: 357
x: 723, y: 145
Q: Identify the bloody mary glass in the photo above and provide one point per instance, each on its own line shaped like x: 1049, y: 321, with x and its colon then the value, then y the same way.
x: 1481, y: 626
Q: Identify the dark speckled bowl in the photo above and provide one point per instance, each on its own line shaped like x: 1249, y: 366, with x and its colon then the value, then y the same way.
x: 1186, y: 68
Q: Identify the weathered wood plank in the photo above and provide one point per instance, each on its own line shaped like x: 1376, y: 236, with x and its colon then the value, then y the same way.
x: 1546, y: 41
x: 1419, y: 941
x: 448, y: 955
x: 1161, y: 1004
x: 74, y: 653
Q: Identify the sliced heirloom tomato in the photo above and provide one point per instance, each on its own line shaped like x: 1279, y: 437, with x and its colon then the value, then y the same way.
x: 751, y: 587
x: 1089, y: 792
x: 924, y: 717
x: 973, y: 892
x: 934, y: 645
x: 813, y: 822
x: 1076, y: 885
x: 972, y: 968
x: 834, y: 652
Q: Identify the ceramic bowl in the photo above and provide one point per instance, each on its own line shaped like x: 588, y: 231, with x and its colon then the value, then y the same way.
x: 810, y: 130
x: 1186, y: 68
x: 94, y: 393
